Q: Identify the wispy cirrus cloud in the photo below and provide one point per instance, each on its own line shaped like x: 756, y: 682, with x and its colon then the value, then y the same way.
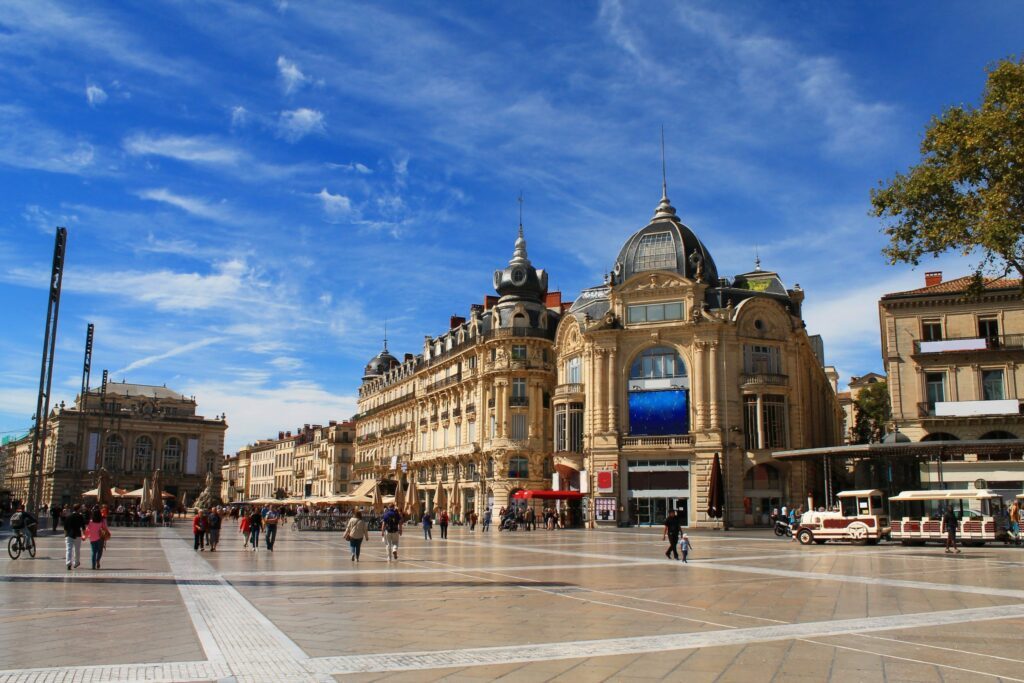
x: 180, y: 350
x: 95, y: 95
x: 336, y: 207
x: 290, y: 74
x: 30, y: 144
x: 193, y: 205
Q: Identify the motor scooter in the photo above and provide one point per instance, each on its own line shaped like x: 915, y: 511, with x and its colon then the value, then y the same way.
x: 782, y: 528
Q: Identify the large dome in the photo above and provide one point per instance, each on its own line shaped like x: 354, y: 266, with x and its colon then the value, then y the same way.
x: 666, y: 244
x: 379, y: 364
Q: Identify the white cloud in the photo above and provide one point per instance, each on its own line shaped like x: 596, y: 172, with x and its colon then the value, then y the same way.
x: 353, y: 166
x: 195, y: 206
x: 292, y: 77
x: 239, y: 116
x: 286, y: 363
x: 203, y: 150
x: 335, y: 206
x: 296, y: 124
x: 170, y: 353
x: 257, y: 411
x: 95, y: 95
x: 39, y: 147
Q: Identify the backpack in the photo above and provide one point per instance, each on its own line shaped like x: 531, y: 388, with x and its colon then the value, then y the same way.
x: 391, y: 524
x: 18, y: 520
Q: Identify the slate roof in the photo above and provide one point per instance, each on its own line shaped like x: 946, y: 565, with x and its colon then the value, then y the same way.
x: 958, y: 285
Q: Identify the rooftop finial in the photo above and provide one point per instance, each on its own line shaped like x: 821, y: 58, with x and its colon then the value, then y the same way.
x: 520, y: 214
x: 385, y: 334
x: 757, y: 257
x: 665, y: 208
x: 664, y: 175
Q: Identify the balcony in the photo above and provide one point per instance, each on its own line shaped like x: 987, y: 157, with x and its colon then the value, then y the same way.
x: 569, y: 389
x: 471, y: 408
x: 518, y: 401
x: 1003, y: 342
x: 763, y: 379
x: 447, y: 381
x: 510, y: 332
x: 394, y: 429
x: 444, y: 416
x: 456, y: 412
x: 368, y: 438
x: 423, y: 422
x: 658, y: 442
x: 953, y: 409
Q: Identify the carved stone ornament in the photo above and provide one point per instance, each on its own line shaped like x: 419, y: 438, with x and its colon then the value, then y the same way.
x: 697, y: 263
x: 607, y: 322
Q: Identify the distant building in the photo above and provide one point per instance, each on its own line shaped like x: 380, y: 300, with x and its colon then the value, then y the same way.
x: 848, y: 403
x: 131, y: 430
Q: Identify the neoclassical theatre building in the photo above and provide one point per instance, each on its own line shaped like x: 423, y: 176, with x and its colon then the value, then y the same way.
x: 668, y: 363
x: 469, y: 416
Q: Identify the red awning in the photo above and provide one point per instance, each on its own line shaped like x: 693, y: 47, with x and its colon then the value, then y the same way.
x: 548, y: 495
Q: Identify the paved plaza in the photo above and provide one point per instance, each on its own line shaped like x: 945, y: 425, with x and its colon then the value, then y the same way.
x: 538, y: 606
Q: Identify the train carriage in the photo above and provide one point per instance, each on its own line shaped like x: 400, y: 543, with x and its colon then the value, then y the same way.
x: 861, y: 518
x: 917, y: 516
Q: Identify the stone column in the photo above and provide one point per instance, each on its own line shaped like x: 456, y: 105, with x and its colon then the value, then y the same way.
x: 613, y: 393
x: 714, y: 391
x: 697, y: 388
x: 760, y: 420
x: 501, y: 407
x: 600, y: 377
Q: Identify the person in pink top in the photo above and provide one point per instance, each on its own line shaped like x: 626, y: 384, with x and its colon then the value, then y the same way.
x: 97, y: 532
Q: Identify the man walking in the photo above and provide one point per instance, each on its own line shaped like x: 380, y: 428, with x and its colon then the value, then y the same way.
x: 428, y: 522
x: 74, y: 526
x: 949, y: 520
x: 213, y: 522
x: 391, y: 529
x: 442, y: 521
x: 487, y: 519
x: 54, y: 517
x: 270, y: 528
x: 671, y: 532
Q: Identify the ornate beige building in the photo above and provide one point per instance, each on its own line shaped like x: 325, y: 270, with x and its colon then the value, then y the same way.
x: 955, y: 373
x: 472, y: 412
x: 129, y: 429
x: 667, y: 364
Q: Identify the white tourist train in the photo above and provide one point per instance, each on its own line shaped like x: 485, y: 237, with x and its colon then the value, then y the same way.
x: 861, y: 518
x: 917, y: 516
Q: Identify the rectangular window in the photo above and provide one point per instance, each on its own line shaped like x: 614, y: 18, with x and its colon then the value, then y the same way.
x: 760, y: 359
x: 574, y: 371
x: 472, y: 432
x: 750, y: 423
x: 519, y: 426
x: 774, y: 421
x: 560, y: 425
x: 935, y: 386
x: 992, y: 385
x: 458, y: 435
x: 494, y: 426
x: 988, y: 328
x: 652, y: 313
x: 931, y: 330
x: 576, y: 427
x: 434, y: 439
x: 472, y: 362
x: 519, y: 352
x: 446, y: 437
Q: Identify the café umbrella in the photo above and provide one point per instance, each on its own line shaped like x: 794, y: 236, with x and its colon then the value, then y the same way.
x: 412, y: 505
x: 439, y: 496
x: 399, y: 494
x: 456, y: 499
x: 716, y: 490
x: 378, y: 503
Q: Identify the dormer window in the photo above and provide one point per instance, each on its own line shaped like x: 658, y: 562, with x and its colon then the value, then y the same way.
x: 656, y: 251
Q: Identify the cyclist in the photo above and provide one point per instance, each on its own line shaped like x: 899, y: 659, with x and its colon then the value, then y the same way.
x: 24, y: 523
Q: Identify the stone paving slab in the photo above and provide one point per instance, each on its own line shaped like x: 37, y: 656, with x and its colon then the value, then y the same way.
x: 571, y: 605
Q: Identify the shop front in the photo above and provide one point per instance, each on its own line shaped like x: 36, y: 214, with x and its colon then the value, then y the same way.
x: 656, y: 486
x: 567, y: 506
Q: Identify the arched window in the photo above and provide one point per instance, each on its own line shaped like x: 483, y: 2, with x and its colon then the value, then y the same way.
x: 998, y: 434
x: 762, y: 478
x: 142, y: 460
x: 70, y: 456
x: 113, y: 452
x: 518, y: 468
x: 940, y: 436
x: 659, y: 392
x: 172, y: 455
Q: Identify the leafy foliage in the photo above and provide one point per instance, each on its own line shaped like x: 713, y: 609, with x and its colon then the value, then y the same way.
x: 871, y: 413
x: 967, y: 193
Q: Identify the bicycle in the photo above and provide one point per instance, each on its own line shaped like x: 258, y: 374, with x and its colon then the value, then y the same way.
x: 20, y: 542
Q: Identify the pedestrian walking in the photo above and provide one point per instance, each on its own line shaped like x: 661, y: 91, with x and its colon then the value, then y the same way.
x: 74, y: 532
x: 270, y: 528
x: 671, y: 532
x: 442, y: 521
x: 950, y: 521
x: 531, y: 520
x: 255, y: 525
x: 487, y: 520
x: 54, y: 517
x: 213, y: 523
x: 98, y: 533
x: 355, y: 532
x: 391, y: 531
x: 1015, y: 520
x: 243, y: 527
x: 685, y: 546
x: 472, y: 520
x: 428, y: 523
x: 199, y: 531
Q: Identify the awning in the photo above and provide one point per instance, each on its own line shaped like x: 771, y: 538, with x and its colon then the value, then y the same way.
x: 548, y: 495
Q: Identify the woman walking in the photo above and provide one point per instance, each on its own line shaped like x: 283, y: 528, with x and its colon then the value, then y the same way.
x: 428, y: 523
x: 98, y: 532
x: 243, y: 528
x: 442, y: 521
x: 355, y: 532
x: 199, y: 530
x: 255, y: 525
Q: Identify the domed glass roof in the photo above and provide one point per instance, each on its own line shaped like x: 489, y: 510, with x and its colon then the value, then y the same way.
x: 666, y: 244
x: 380, y: 364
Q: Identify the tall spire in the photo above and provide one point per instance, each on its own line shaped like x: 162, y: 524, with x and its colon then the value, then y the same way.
x: 665, y: 208
x: 385, y: 334
x: 519, y: 255
x: 757, y: 257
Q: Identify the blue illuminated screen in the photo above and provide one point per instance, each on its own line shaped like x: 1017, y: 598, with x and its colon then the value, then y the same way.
x: 654, y: 413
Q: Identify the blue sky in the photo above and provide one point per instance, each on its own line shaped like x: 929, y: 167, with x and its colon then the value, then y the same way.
x: 250, y: 188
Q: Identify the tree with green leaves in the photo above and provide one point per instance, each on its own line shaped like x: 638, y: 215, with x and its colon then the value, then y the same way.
x: 967, y: 192
x: 871, y: 412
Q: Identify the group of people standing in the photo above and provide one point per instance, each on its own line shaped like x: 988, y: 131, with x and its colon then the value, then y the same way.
x: 80, y: 524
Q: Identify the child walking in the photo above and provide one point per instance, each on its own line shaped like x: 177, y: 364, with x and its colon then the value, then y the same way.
x: 685, y: 546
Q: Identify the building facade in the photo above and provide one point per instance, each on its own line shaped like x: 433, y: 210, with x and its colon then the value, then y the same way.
x: 955, y: 364
x: 470, y: 416
x: 667, y: 364
x: 131, y: 430
x: 323, y: 459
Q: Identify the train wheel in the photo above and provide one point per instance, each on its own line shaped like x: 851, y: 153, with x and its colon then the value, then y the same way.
x: 805, y: 537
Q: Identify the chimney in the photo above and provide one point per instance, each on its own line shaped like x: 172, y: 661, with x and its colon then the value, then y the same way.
x: 932, y: 278
x: 288, y: 434
x: 408, y: 357
x: 280, y: 435
x: 455, y: 321
x: 332, y: 423
x: 553, y: 300
x: 489, y: 301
